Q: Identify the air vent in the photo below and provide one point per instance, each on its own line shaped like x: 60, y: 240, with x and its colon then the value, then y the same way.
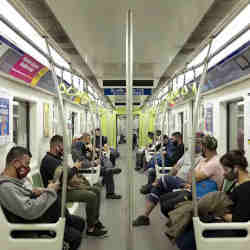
x: 122, y: 83
x: 124, y: 103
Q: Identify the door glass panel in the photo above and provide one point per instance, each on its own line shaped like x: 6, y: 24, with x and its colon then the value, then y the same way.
x: 20, y: 133
x: 236, y: 125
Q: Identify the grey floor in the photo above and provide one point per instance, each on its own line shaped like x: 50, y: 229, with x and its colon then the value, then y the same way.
x: 114, y: 216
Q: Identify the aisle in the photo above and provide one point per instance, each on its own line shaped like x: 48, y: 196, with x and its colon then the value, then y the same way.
x: 113, y: 216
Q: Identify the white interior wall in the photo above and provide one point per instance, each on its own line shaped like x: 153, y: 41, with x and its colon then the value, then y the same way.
x: 187, y: 123
x: 219, y: 99
x: 39, y: 144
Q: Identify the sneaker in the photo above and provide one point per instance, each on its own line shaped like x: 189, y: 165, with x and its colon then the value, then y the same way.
x: 141, y: 220
x: 97, y: 232
x: 99, y: 225
x: 113, y: 196
x: 116, y: 170
x: 137, y: 168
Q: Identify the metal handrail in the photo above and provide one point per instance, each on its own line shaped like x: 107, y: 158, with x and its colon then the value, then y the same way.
x: 47, y: 56
x: 66, y: 144
x: 194, y: 128
x: 129, y: 80
x: 163, y: 129
x: 215, y: 53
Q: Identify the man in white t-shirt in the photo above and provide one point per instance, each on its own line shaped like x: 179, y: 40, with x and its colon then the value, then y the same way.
x: 207, y: 168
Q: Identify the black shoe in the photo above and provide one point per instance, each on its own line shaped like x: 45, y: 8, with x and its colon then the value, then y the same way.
x: 141, y: 221
x: 113, y: 196
x: 97, y: 232
x: 146, y: 189
x: 116, y: 170
x: 99, y: 225
x: 137, y: 168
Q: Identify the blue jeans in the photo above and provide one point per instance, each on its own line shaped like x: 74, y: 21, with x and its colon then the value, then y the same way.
x: 166, y: 184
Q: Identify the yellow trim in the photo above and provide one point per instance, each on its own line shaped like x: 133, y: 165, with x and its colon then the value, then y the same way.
x: 38, y: 76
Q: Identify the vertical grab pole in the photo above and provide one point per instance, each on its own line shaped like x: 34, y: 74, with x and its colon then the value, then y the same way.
x: 162, y: 133
x: 100, y: 127
x: 195, y: 125
x: 156, y: 118
x: 66, y: 145
x: 129, y: 84
x: 93, y: 125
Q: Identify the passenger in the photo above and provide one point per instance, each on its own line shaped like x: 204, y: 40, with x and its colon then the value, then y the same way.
x: 208, y: 174
x: 175, y: 150
x: 158, y: 140
x: 113, y: 153
x: 140, y: 156
x: 107, y: 171
x: 90, y: 195
x: 235, y: 169
x: 22, y: 205
x: 135, y: 143
x: 81, y: 150
x: 207, y: 168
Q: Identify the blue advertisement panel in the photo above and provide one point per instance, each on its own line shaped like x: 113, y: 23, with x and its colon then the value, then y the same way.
x: 122, y: 91
x: 4, y: 116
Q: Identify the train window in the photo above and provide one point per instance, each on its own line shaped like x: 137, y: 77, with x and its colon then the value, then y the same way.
x: 236, y: 125
x: 21, y: 123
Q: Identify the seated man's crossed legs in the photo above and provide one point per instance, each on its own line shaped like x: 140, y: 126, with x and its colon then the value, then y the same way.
x: 162, y: 186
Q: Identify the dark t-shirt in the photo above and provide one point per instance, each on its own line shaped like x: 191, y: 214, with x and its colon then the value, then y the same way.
x: 48, y: 166
x: 241, y: 198
x: 176, y: 153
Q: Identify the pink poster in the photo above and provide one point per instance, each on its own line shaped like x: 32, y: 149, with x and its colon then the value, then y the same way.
x: 26, y: 68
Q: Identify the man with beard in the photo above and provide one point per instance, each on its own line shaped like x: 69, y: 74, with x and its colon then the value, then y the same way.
x: 208, y: 168
x: 87, y: 194
x: 24, y: 205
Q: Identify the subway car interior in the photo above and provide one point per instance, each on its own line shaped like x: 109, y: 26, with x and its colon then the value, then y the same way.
x: 124, y: 125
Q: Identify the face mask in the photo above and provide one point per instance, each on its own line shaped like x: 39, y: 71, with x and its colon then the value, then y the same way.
x: 22, y: 172
x: 175, y: 143
x: 60, y: 151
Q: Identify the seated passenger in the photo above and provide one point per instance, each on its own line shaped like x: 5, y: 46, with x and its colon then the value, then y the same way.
x: 167, y: 151
x: 90, y: 195
x: 81, y: 150
x: 235, y: 168
x: 207, y: 168
x: 140, y: 155
x: 175, y: 150
x: 22, y: 205
x: 114, y: 154
x: 135, y: 144
x: 107, y: 172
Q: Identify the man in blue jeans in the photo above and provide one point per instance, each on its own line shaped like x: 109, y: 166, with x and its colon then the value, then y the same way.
x: 177, y: 178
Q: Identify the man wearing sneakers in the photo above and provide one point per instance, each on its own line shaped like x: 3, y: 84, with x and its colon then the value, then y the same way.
x: 87, y: 194
x: 107, y: 169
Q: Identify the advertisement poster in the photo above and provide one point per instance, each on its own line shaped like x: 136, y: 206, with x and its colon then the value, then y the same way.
x: 5, y: 105
x: 28, y: 70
